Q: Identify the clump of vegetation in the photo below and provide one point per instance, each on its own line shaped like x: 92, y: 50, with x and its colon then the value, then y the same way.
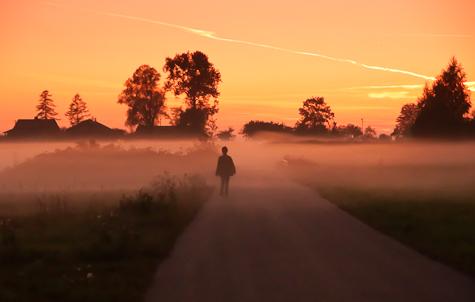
x: 102, y: 252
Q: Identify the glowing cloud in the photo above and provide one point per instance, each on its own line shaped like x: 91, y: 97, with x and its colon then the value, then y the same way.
x: 385, y: 87
x: 350, y: 108
x: 470, y: 85
x: 209, y: 34
x: 390, y: 95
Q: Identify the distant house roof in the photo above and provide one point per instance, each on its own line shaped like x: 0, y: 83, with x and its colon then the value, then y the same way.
x: 91, y: 128
x: 33, y: 128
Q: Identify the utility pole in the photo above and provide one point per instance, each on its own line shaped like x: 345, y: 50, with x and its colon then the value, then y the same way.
x: 362, y: 128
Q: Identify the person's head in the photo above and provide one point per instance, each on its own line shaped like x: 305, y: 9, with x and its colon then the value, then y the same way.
x: 225, y: 150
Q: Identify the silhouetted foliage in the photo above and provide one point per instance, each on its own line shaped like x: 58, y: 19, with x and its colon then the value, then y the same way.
x: 146, y: 101
x: 226, y: 135
x: 46, y: 107
x: 194, y: 76
x: 350, y: 130
x: 369, y: 132
x: 384, y: 137
x: 444, y: 104
x: 252, y: 127
x: 77, y: 110
x: 406, y: 120
x: 316, y: 115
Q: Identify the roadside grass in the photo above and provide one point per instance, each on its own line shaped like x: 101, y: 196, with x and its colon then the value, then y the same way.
x: 438, y: 222
x: 99, y: 252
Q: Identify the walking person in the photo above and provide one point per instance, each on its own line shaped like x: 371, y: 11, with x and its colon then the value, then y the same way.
x: 225, y: 170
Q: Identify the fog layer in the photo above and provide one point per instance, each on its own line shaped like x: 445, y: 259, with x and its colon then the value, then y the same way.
x: 430, y: 167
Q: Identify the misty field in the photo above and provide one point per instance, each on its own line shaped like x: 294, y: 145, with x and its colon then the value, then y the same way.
x: 92, y: 223
x: 421, y: 194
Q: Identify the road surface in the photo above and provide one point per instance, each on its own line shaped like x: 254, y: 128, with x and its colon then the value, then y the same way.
x: 275, y: 240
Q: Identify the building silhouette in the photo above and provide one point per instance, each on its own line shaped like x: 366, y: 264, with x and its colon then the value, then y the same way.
x: 93, y: 129
x: 34, y: 128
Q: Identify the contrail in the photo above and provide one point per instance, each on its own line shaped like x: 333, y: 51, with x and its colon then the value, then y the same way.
x: 211, y: 35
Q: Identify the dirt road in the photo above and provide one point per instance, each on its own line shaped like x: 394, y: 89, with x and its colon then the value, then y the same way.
x: 275, y: 240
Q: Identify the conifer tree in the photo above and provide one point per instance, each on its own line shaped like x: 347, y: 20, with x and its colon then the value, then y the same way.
x: 46, y: 107
x: 77, y: 110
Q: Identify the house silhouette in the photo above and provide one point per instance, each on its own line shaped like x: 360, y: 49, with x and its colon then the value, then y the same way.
x: 27, y: 128
x: 91, y: 128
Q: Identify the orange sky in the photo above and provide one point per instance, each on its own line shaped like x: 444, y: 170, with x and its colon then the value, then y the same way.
x: 272, y: 55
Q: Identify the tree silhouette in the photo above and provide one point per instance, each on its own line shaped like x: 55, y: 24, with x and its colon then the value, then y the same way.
x: 316, y: 115
x: 46, y: 107
x: 146, y: 101
x: 443, y: 106
x: 194, y: 76
x: 406, y: 120
x: 369, y: 132
x: 351, y: 130
x: 77, y: 110
x: 252, y: 127
x: 226, y: 135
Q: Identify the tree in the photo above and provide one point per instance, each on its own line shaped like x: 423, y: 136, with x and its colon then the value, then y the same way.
x: 194, y: 76
x: 226, y: 135
x: 77, y: 110
x: 351, y: 130
x: 406, y: 120
x: 146, y: 101
x: 252, y: 127
x: 369, y: 132
x: 316, y: 115
x: 46, y: 107
x: 443, y: 106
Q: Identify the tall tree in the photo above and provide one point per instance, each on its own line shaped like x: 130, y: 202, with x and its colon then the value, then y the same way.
x: 443, y: 106
x: 192, y: 75
x: 146, y: 101
x: 77, y: 110
x: 316, y: 115
x: 406, y: 119
x: 46, y: 107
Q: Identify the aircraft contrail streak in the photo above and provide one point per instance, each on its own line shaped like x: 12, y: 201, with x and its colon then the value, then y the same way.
x: 209, y: 34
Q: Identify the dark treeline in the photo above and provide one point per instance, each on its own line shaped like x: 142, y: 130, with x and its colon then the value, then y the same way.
x: 189, y: 75
x: 316, y: 119
x: 443, y: 110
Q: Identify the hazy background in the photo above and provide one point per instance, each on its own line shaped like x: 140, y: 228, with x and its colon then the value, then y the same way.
x: 36, y: 169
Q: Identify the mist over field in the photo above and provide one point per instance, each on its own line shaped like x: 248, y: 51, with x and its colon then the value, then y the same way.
x: 92, y: 171
x: 38, y: 169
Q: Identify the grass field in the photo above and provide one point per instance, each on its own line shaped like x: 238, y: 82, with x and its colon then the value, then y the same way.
x: 437, y: 221
x: 105, y: 252
x: 72, y: 228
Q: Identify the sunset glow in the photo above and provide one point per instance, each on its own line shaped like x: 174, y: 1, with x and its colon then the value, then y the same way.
x: 366, y: 58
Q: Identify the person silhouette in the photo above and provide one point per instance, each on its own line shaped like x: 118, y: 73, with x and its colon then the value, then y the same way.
x: 225, y: 170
